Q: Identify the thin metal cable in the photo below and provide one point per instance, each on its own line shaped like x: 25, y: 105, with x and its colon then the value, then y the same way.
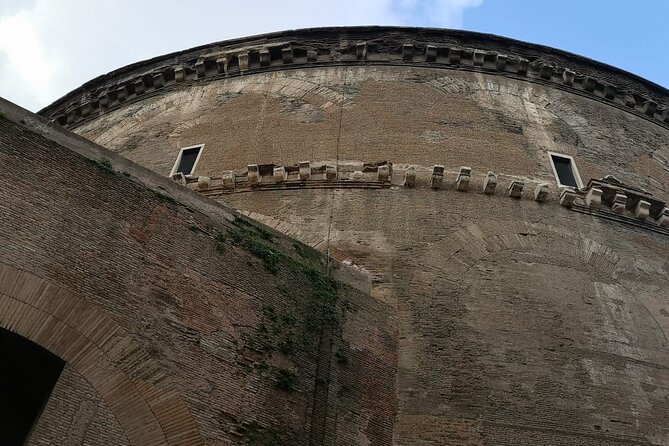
x: 334, y: 191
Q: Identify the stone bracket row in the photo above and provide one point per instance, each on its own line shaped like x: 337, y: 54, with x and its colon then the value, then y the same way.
x: 609, y: 195
x: 241, y: 61
x: 359, y: 175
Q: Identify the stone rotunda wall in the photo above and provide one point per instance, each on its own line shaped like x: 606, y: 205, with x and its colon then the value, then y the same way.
x: 524, y: 313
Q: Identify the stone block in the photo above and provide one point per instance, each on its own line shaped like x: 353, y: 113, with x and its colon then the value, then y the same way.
x: 516, y: 188
x: 500, y: 62
x: 200, y: 68
x: 546, y: 71
x: 331, y: 173
x: 610, y: 92
x: 567, y: 196
x: 650, y: 107
x: 642, y: 210
x: 361, y: 50
x: 304, y: 170
x: 383, y: 173
x: 243, y: 61
x: 85, y: 109
x: 663, y: 218
x: 356, y: 175
x: 478, y: 58
x: 454, y: 56
x: 158, y: 80
x: 430, y: 53
x: 568, y: 77
x: 522, y: 66
x: 222, y: 64
x: 180, y: 178
x: 410, y: 177
x: 407, y: 51
x: 179, y: 74
x: 122, y: 93
x: 253, y: 175
x: 103, y: 100
x: 593, y: 198
x: 490, y: 183
x: 541, y: 192
x: 630, y: 101
x: 287, y: 54
x: 312, y: 55
x: 140, y: 88
x: 437, y: 176
x: 264, y: 56
x: 619, y: 203
x: 464, y: 175
x: 589, y: 84
x: 203, y: 183
x: 228, y: 179
x: 665, y: 115
x: 279, y: 174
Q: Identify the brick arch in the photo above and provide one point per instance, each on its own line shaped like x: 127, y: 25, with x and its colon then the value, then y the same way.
x: 475, y: 242
x: 470, y: 244
x: 91, y: 342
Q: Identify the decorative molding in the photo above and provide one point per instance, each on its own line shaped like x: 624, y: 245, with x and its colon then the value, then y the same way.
x: 607, y: 197
x: 465, y: 51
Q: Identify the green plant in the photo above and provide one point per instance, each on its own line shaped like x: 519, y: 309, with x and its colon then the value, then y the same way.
x: 269, y: 255
x: 105, y: 165
x: 220, y: 242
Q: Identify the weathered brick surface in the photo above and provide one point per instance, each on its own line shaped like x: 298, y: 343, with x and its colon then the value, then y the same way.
x: 143, y: 301
x: 403, y: 115
x: 519, y: 322
x: 492, y: 321
x: 83, y: 417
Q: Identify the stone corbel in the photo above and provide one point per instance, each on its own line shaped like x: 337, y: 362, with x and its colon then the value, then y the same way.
x: 516, y: 188
x: 331, y: 173
x: 304, y: 170
x: 253, y: 175
x: 228, y: 179
x: 663, y: 218
x: 203, y: 183
x: 264, y: 57
x: 462, y: 182
x: 437, y: 176
x: 541, y: 192
x: 361, y: 50
x: 593, y: 198
x: 619, y: 203
x: 410, y: 177
x: 383, y: 173
x: 430, y: 53
x: 287, y: 54
x: 642, y: 210
x: 279, y: 174
x: 490, y: 183
x: 567, y: 197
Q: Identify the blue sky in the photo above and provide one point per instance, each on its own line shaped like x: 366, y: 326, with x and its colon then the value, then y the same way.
x: 49, y: 47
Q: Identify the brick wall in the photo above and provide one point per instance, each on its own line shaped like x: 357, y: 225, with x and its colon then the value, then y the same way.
x: 198, y: 324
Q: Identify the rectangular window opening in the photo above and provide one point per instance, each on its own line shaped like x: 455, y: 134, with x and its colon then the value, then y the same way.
x: 187, y: 160
x: 564, y: 169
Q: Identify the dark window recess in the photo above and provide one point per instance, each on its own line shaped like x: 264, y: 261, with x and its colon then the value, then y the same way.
x: 28, y: 374
x: 187, y: 162
x: 564, y: 171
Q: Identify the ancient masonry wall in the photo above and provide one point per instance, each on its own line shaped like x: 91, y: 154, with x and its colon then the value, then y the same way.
x: 178, y: 325
x: 502, y: 310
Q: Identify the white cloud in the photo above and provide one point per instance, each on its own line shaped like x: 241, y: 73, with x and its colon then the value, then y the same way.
x: 440, y: 13
x: 50, y: 47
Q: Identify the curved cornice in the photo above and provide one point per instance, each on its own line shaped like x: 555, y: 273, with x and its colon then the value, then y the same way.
x: 370, y: 45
